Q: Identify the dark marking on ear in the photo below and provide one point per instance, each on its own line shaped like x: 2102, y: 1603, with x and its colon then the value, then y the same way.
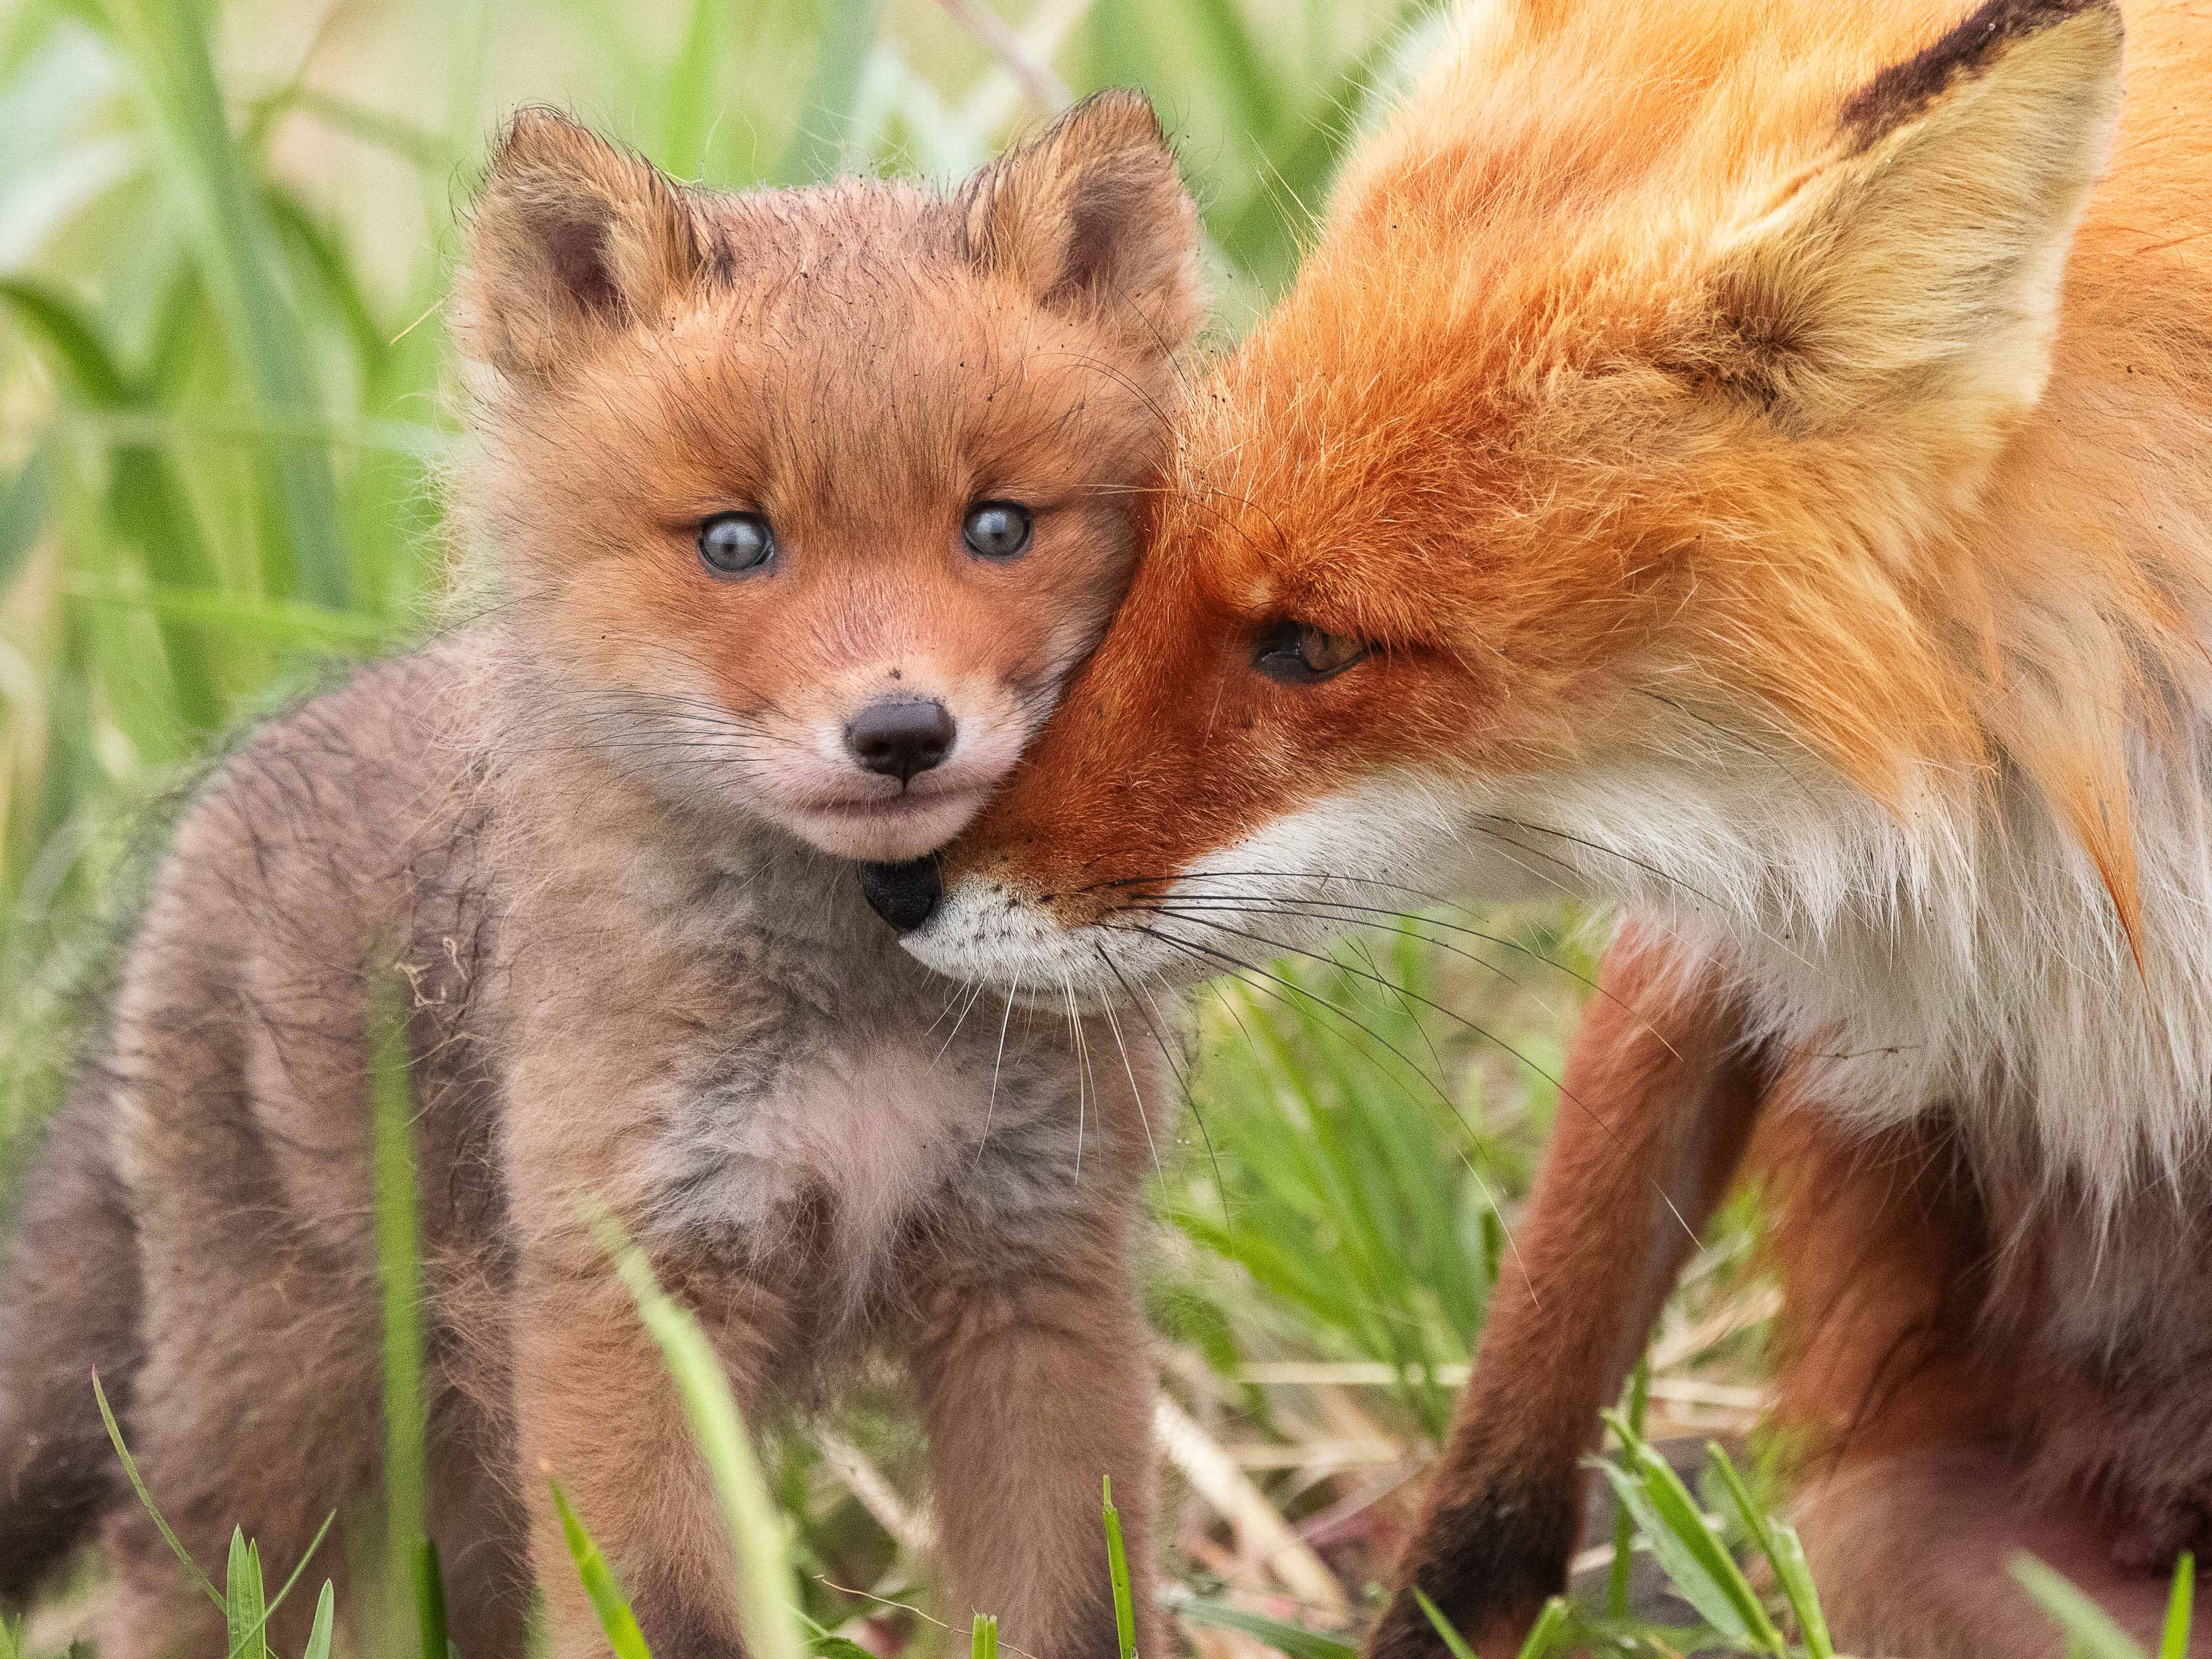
x: 1089, y: 246
x: 572, y: 237
x: 1905, y: 90
x: 1092, y: 216
x: 1105, y: 210
x: 1755, y: 342
x: 576, y: 249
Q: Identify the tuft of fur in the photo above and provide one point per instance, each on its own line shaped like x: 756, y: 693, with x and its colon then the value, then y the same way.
x: 593, y: 831
x: 1766, y: 452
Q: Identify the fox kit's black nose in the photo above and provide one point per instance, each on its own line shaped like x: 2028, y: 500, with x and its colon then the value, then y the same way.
x: 900, y: 739
x: 904, y: 895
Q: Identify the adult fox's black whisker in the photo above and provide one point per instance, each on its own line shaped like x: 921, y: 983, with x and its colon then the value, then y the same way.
x: 1238, y: 967
x: 1182, y: 1083
x: 1310, y: 910
x: 1565, y: 1093
x: 1404, y: 1005
x: 1209, y: 953
x: 1114, y: 1024
x: 1282, y: 949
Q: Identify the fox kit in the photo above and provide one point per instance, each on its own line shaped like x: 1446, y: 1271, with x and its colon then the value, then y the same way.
x: 1749, y: 461
x: 801, y: 505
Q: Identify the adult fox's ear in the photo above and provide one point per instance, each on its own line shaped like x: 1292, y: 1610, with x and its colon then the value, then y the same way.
x: 571, y: 239
x: 1920, y: 260
x: 1091, y: 217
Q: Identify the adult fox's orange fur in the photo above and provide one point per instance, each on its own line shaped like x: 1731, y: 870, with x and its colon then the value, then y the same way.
x: 1750, y: 460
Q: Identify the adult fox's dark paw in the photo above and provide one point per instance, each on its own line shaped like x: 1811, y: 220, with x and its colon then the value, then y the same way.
x: 1487, y: 1565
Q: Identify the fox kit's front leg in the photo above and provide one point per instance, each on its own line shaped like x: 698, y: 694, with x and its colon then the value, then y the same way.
x: 598, y: 1412
x: 1659, y: 1097
x: 590, y: 1092
x: 1036, y: 1381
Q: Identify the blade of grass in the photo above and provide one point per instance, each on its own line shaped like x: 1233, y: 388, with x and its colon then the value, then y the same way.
x: 93, y: 371
x: 340, y: 282
x: 1227, y: 40
x: 399, y: 1275
x: 325, y: 1626
x: 1624, y: 1523
x: 2088, y: 1627
x: 1494, y: 1252
x: 1779, y: 1544
x: 1544, y: 1632
x: 1795, y: 1577
x: 147, y: 502
x: 23, y: 508
x: 983, y: 1638
x: 826, y: 116
x: 688, y: 105
x: 765, y: 1605
x: 245, y: 1607
x: 616, y: 1619
x: 430, y: 1598
x: 146, y: 1498
x: 1294, y: 1640
x: 278, y: 1600
x: 1455, y: 1643
x: 168, y: 43
x: 2174, y: 1640
x: 1117, y: 1567
x: 303, y: 626
x: 1675, y: 1527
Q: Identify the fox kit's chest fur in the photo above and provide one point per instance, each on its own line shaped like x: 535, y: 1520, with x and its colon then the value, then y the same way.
x: 803, y: 1104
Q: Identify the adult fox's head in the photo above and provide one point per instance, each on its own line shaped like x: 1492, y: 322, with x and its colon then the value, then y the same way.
x: 1656, y: 485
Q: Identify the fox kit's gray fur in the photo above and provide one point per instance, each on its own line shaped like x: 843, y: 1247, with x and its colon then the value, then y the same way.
x: 631, y: 983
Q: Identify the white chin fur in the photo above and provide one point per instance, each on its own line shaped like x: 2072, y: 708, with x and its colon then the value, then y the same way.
x: 1297, y: 882
x: 984, y: 931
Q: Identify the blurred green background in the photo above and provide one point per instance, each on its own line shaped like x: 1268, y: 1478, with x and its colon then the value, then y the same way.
x: 225, y: 234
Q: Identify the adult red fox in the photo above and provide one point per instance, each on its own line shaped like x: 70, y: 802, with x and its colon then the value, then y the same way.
x: 1737, y: 459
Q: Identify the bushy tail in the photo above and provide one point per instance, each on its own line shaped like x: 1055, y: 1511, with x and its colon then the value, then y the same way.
x: 69, y: 1305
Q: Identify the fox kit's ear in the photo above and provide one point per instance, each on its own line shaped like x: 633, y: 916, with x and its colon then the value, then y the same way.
x: 1092, y: 216
x: 571, y: 238
x: 1920, y: 261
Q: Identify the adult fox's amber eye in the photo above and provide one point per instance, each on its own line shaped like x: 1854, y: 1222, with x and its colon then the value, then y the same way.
x: 997, y: 530
x: 1298, y: 653
x: 732, y: 544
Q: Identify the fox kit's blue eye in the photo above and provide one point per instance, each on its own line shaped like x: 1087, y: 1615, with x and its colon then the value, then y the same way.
x: 997, y: 530
x: 730, y: 543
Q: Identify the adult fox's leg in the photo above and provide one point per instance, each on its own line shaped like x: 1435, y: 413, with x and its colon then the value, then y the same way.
x: 1659, y: 1098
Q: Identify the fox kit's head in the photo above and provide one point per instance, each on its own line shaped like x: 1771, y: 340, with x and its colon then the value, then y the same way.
x: 1599, y: 500
x: 808, y: 500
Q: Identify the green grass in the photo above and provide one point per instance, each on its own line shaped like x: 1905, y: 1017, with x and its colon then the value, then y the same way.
x: 224, y: 238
